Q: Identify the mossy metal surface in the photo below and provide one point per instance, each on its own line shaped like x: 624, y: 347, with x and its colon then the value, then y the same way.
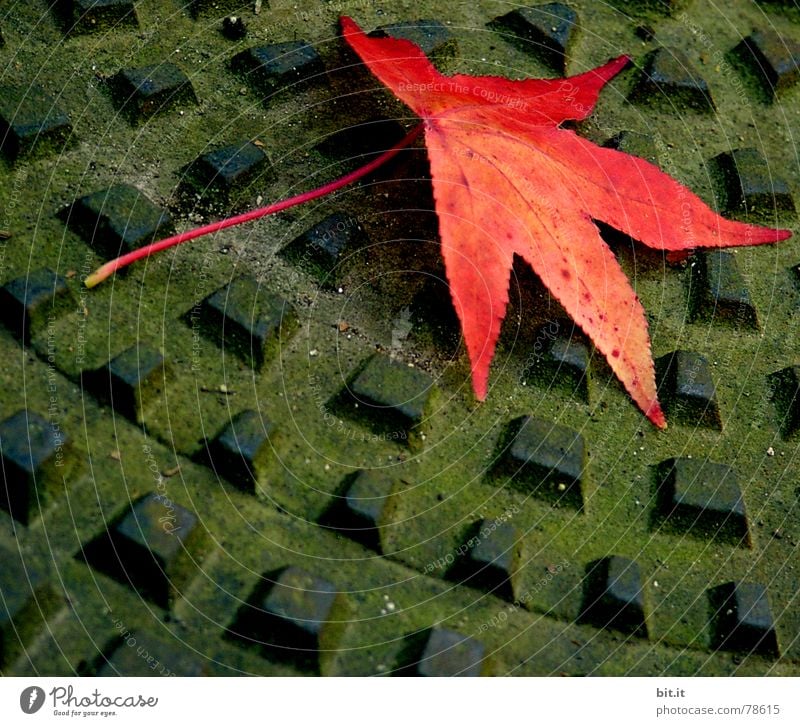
x: 389, y: 300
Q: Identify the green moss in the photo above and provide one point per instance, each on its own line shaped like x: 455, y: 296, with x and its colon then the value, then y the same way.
x: 444, y: 486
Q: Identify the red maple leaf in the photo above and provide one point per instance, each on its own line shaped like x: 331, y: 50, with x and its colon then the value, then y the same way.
x: 507, y: 179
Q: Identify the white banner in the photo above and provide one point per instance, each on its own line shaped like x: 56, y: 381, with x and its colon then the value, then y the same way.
x: 396, y: 701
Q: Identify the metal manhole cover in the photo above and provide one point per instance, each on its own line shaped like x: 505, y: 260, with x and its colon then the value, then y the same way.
x: 260, y: 453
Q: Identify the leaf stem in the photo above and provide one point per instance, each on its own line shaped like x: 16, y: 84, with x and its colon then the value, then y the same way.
x: 120, y: 262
